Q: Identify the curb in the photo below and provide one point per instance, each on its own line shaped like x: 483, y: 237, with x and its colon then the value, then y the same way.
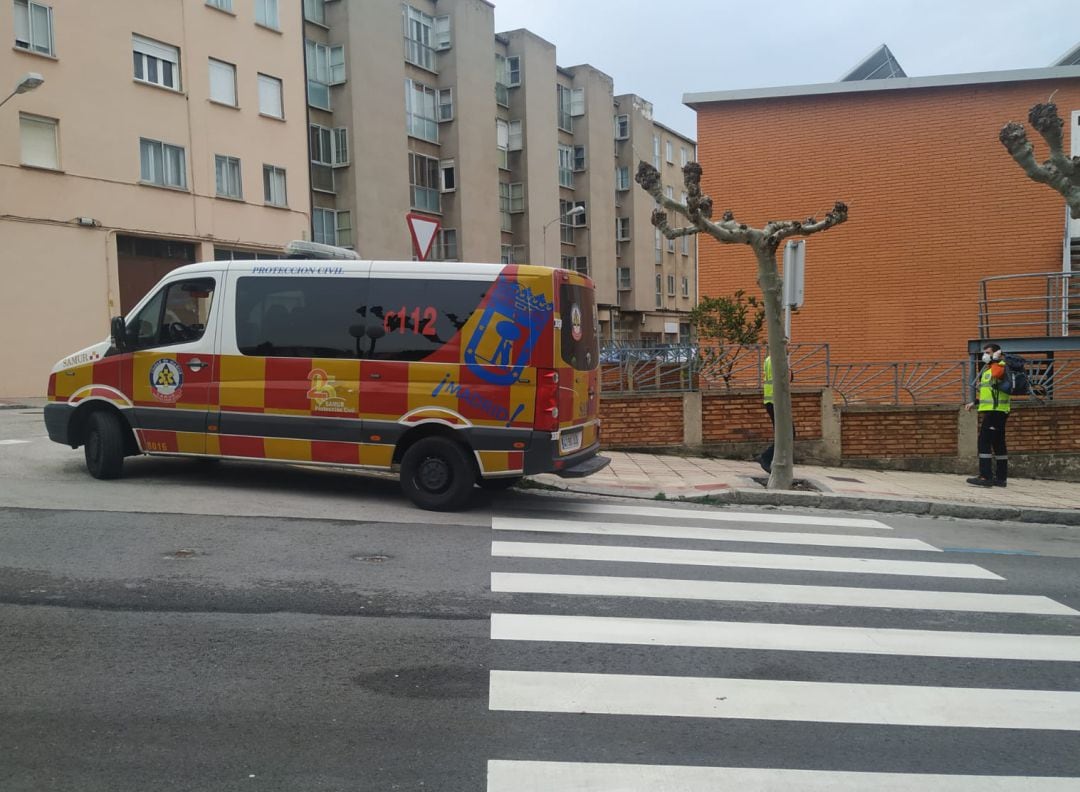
x: 825, y: 500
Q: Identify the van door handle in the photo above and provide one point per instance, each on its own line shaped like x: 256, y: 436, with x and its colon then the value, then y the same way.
x: 375, y: 376
x: 196, y: 364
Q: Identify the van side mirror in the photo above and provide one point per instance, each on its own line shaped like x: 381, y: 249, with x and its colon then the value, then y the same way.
x: 119, y: 334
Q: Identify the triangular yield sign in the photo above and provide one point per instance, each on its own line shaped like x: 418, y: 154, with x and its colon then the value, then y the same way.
x: 423, y: 230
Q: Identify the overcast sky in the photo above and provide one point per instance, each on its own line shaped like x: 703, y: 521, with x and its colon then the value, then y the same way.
x: 787, y: 42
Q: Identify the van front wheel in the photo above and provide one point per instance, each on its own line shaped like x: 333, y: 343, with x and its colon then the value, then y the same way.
x: 104, y: 445
x: 437, y: 474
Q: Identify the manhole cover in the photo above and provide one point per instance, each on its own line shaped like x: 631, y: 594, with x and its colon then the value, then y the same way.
x: 374, y: 558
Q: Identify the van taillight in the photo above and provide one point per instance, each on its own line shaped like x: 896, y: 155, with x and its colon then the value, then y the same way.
x: 547, y: 400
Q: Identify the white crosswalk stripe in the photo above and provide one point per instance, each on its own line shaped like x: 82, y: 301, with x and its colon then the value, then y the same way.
x: 663, y: 555
x: 710, y: 534
x: 560, y: 567
x: 523, y: 776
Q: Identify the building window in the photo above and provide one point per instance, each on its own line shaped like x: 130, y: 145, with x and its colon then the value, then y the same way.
x: 315, y: 11
x: 686, y: 245
x: 683, y: 157
x: 502, y: 142
x: 622, y: 127
x: 513, y: 71
x: 506, y: 254
x: 504, y: 207
x: 446, y: 245
x: 519, y: 255
x: 274, y: 192
x: 266, y: 13
x: 324, y: 226
x: 685, y: 286
x: 671, y: 285
x: 224, y: 5
x: 424, y: 182
x: 622, y: 178
x: 343, y: 228
x: 659, y: 292
x: 227, y: 174
x: 421, y: 115
x: 658, y: 255
x: 329, y: 150
x: 582, y: 219
x: 447, y: 176
x: 578, y: 264
x: 502, y: 81
x: 656, y: 152
x: 566, y: 224
x: 33, y: 27
x: 223, y: 82
x: 444, y: 97
x: 669, y: 152
x: 162, y: 164
x: 270, y: 101
x: 563, y: 104
x: 566, y: 166
x: 325, y: 67
x: 515, y: 139
x: 517, y: 198
x: 419, y: 28
x: 579, y: 158
x: 624, y: 279
x: 40, y: 147
x: 622, y: 229
x: 156, y: 63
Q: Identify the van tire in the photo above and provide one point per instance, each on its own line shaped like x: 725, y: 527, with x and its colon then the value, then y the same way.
x: 500, y: 484
x: 437, y: 474
x: 104, y: 445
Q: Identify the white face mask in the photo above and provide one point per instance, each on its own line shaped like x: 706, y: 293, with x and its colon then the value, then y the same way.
x: 986, y: 357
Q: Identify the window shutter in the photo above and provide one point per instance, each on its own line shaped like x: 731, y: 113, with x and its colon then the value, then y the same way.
x: 155, y: 50
x: 442, y: 33
x: 270, y: 96
x: 222, y: 82
x: 577, y: 102
x: 38, y: 142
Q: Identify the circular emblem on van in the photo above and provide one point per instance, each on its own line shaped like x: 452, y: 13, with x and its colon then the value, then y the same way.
x: 166, y: 380
x: 575, y: 322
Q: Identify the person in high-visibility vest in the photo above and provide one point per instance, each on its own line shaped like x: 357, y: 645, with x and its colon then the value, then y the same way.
x: 766, y: 458
x: 994, y: 406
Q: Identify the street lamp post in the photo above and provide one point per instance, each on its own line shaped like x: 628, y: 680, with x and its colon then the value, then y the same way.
x: 575, y: 212
x: 28, y: 82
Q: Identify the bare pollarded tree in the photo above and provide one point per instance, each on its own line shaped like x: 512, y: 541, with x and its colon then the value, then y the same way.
x: 1060, y: 172
x: 764, y: 241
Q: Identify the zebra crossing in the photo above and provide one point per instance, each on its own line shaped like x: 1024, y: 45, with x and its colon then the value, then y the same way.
x: 565, y: 595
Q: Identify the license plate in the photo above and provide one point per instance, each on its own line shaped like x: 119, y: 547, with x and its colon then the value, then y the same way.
x: 570, y: 441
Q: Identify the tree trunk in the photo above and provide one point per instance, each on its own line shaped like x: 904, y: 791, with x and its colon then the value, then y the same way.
x: 772, y: 289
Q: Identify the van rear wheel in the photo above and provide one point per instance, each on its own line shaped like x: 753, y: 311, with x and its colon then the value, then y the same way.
x: 437, y: 474
x: 104, y: 445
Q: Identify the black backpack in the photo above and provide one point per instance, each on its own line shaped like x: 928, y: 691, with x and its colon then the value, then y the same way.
x: 1015, y: 382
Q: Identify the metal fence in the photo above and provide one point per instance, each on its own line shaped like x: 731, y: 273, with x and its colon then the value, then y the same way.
x: 1044, y: 304
x: 673, y: 369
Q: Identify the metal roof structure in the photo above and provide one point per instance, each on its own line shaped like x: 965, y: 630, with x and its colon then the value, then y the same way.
x: 1070, y: 58
x: 880, y: 64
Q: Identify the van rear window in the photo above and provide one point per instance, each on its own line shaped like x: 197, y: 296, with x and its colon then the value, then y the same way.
x: 577, y: 309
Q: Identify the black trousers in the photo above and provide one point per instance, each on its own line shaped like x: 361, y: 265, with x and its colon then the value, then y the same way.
x: 767, y: 454
x: 992, y: 451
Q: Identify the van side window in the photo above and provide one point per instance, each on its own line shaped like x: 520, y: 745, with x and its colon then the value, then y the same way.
x: 410, y: 318
x: 579, y: 340
x: 177, y: 314
x: 300, y: 317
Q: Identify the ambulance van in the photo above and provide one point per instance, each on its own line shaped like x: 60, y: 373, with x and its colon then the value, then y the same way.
x: 451, y: 374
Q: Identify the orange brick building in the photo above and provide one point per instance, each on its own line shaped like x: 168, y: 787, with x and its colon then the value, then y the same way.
x: 936, y: 202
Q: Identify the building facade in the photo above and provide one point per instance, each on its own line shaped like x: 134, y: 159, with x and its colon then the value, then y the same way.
x: 936, y: 203
x: 163, y: 133
x: 422, y: 108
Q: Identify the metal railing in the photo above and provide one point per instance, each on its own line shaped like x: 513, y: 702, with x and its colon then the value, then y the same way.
x: 1044, y: 304
x: 915, y: 382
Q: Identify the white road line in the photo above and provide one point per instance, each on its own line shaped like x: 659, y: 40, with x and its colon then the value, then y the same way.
x: 721, y: 591
x: 784, y: 637
x: 759, y: 699
x: 13, y: 442
x: 710, y: 534
x: 720, y: 515
x: 663, y: 555
x: 516, y: 776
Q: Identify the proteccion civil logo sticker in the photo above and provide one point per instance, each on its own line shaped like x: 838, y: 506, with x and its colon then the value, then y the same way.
x: 166, y: 380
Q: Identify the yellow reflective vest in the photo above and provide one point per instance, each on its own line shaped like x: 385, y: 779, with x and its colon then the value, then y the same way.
x: 991, y: 399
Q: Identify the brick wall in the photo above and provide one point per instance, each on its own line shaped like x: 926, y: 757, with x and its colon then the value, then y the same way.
x: 936, y: 204
x: 891, y: 432
x: 1042, y: 429
x: 741, y: 417
x: 641, y: 421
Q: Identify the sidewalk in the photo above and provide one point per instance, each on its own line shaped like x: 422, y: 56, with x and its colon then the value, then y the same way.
x: 721, y: 480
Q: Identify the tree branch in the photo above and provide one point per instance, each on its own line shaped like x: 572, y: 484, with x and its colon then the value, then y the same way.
x: 781, y: 230
x: 660, y: 220
x: 1059, y: 172
x: 1045, y: 119
x: 649, y: 179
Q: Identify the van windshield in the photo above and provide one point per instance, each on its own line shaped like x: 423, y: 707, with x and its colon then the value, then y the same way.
x: 577, y: 309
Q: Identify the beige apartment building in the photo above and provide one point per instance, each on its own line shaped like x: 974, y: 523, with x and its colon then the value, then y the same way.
x: 420, y: 107
x: 164, y: 132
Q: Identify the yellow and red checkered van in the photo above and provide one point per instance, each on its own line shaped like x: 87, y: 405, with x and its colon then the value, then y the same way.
x: 453, y: 374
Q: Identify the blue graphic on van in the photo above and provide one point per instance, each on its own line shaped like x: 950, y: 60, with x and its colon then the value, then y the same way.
x: 514, y: 316
x: 476, y: 400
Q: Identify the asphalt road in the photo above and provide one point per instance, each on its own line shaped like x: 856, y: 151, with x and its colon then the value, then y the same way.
x: 260, y: 628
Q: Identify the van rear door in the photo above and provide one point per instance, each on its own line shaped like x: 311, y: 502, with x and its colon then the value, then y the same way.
x: 578, y: 358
